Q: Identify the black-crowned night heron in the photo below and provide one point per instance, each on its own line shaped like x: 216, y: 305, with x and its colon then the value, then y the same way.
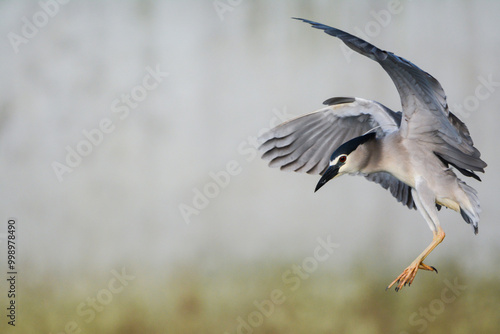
x: 410, y: 153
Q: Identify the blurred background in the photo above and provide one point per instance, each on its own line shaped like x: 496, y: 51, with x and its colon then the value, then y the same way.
x: 127, y: 144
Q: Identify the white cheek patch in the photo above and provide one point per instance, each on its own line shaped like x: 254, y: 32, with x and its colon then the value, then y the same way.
x: 336, y: 160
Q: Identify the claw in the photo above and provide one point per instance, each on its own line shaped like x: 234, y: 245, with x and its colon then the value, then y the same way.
x: 410, y: 272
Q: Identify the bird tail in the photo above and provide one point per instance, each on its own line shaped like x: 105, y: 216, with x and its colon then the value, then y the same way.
x: 470, y: 211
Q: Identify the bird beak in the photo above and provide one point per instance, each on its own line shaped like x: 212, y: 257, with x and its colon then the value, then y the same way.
x: 329, y: 174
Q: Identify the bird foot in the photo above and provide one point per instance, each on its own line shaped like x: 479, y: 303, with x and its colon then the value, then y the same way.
x: 409, y: 274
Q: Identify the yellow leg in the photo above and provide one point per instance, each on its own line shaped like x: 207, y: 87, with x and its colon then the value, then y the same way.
x: 409, y: 273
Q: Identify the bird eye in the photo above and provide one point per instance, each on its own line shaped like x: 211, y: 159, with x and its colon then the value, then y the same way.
x: 342, y: 158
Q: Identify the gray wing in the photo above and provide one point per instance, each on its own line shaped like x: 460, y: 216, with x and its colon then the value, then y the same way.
x: 425, y: 110
x: 305, y: 144
x: 398, y: 189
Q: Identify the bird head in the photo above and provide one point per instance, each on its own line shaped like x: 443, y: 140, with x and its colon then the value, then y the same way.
x: 344, y: 160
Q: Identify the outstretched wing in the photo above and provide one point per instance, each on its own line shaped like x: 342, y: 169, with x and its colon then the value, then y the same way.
x: 425, y: 111
x: 398, y: 189
x: 305, y: 144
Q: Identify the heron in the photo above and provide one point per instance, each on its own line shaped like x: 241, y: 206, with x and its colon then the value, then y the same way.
x: 413, y: 153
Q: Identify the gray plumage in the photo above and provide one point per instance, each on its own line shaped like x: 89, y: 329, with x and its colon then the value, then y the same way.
x: 411, y: 153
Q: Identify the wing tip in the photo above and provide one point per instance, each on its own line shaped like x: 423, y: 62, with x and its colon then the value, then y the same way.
x: 339, y: 100
x: 314, y: 24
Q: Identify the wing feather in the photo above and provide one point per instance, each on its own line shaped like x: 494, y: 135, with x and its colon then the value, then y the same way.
x: 305, y: 144
x: 423, y: 100
x: 398, y: 189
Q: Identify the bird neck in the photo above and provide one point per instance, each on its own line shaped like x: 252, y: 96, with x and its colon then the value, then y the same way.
x: 370, y: 156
